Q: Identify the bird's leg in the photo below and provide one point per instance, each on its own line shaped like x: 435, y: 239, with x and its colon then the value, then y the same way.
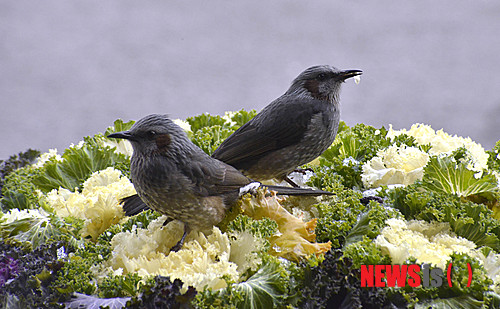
x: 167, y: 221
x: 179, y: 244
x: 293, y: 184
x: 297, y: 170
x: 303, y: 170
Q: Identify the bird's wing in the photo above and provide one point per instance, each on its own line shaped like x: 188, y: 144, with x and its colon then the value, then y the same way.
x: 210, y: 176
x: 281, y: 124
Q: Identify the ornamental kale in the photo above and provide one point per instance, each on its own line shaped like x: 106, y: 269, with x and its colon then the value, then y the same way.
x: 478, y: 295
x: 38, y: 228
x: 355, y: 145
x: 209, y: 138
x: 119, y: 126
x: 19, y: 191
x: 371, y: 222
x: 230, y: 121
x: 79, y: 301
x: 44, y: 268
x: 16, y: 161
x: 275, y: 285
x: 77, y: 274
x: 445, y: 175
x: 206, y: 121
x: 467, y: 219
x: 242, y: 117
x: 336, y: 283
x: 365, y: 252
x: 346, y: 218
x: 162, y: 293
x: 208, y: 132
x: 296, y: 238
x: 140, y: 221
x: 77, y: 164
x: 263, y: 228
x: 8, y: 269
x: 338, y: 215
x: 30, y: 275
x: 494, y: 158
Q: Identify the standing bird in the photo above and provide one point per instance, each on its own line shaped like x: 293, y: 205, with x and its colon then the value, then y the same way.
x: 293, y: 130
x: 176, y: 178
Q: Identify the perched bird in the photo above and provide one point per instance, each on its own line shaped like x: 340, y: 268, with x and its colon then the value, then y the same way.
x: 293, y: 130
x: 176, y: 178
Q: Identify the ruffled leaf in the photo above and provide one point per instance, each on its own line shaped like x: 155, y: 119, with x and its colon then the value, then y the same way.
x: 91, y: 302
x: 296, y: 238
x: 77, y: 164
x: 119, y: 126
x: 38, y: 230
x: 444, y: 175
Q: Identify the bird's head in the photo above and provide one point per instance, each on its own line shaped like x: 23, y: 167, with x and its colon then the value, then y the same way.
x: 153, y: 134
x: 322, y: 82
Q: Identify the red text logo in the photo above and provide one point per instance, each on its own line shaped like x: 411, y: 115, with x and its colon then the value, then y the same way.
x: 412, y: 275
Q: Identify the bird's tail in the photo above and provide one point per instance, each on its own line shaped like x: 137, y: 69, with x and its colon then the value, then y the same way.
x: 297, y: 191
x: 133, y: 205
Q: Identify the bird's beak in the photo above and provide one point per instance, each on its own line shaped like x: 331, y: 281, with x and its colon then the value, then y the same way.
x: 124, y: 135
x: 349, y: 73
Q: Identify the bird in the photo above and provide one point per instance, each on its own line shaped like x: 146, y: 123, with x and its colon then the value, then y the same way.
x: 176, y: 178
x: 292, y: 130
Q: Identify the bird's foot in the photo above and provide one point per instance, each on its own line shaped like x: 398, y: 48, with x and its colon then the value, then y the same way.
x: 291, y: 182
x: 180, y: 243
x: 177, y: 246
x: 250, y: 188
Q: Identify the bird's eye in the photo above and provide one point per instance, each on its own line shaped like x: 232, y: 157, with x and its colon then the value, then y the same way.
x: 151, y: 133
x: 322, y: 76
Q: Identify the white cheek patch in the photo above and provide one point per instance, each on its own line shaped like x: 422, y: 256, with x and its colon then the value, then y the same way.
x: 357, y: 79
x: 249, y: 188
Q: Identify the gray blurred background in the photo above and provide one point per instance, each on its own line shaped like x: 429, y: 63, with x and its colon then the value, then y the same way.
x: 70, y: 68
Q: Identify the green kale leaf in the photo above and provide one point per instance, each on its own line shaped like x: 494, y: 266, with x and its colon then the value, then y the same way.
x: 77, y: 164
x: 371, y: 222
x: 209, y: 138
x: 275, y: 285
x: 263, y: 228
x: 338, y: 215
x: 467, y: 219
x: 119, y: 126
x: 15, y: 162
x: 36, y: 231
x: 445, y: 175
x: 206, y: 121
x: 76, y: 275
x: 19, y: 191
x: 241, y: 117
